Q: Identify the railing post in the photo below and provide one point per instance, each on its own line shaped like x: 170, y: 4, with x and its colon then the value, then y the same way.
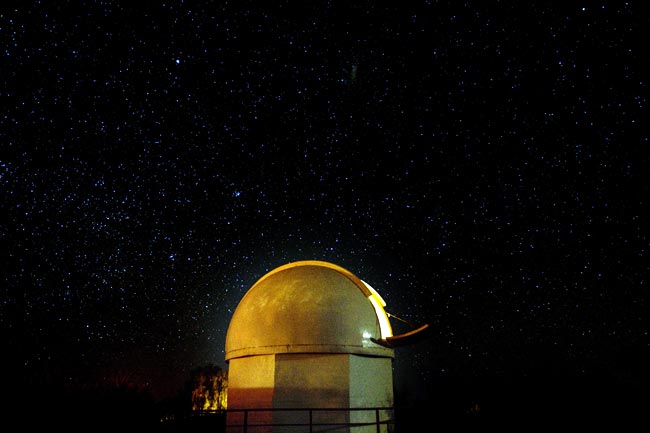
x: 311, y: 421
x: 245, y: 420
x: 377, y: 419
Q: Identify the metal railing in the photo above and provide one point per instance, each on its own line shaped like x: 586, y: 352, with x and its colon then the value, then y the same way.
x: 314, y: 418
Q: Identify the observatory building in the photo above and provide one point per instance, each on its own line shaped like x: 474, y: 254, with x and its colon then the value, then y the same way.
x: 310, y: 346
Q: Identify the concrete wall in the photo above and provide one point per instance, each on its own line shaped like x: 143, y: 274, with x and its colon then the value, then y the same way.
x: 250, y: 385
x: 311, y: 381
x: 324, y: 381
x: 371, y: 385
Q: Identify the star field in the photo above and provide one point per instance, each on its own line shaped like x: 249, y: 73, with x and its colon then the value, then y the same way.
x: 483, y: 166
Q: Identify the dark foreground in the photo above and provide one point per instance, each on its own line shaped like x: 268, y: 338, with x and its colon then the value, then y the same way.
x: 524, y: 405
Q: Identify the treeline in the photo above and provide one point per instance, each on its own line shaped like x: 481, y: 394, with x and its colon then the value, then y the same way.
x: 119, y: 403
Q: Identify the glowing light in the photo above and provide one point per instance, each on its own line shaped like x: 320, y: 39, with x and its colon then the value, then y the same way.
x: 210, y: 389
x: 378, y: 303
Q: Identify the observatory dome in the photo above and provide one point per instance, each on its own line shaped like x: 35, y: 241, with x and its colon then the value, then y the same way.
x: 309, y: 307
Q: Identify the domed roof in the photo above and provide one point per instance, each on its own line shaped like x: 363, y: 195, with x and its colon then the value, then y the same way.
x: 309, y: 307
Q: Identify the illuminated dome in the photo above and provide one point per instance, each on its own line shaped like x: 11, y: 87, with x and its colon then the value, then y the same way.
x: 309, y: 307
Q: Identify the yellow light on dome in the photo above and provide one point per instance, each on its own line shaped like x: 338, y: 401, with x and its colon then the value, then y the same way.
x: 378, y: 303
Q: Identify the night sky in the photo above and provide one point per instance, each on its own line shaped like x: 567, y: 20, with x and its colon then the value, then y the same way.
x: 483, y: 165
